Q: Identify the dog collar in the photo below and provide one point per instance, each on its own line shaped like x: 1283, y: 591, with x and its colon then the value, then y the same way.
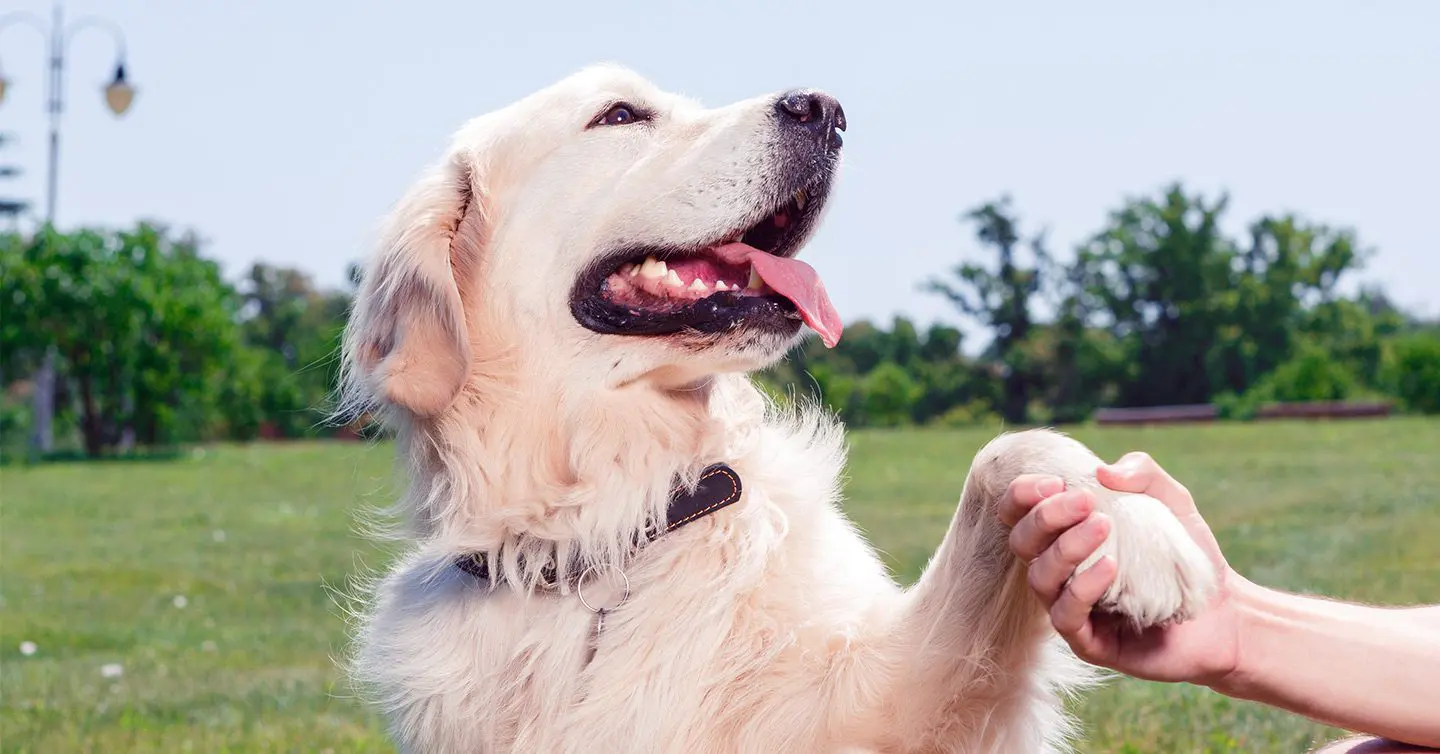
x: 719, y: 487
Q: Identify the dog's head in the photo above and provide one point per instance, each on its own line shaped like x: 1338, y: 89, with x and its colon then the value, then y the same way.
x: 606, y: 229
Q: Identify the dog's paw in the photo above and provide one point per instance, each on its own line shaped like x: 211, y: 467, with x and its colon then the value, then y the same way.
x: 1162, y: 576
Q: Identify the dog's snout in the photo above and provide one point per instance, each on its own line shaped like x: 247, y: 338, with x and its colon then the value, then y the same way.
x: 817, y: 111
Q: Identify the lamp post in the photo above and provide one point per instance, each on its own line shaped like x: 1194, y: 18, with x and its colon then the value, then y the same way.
x: 119, y: 94
x: 118, y: 97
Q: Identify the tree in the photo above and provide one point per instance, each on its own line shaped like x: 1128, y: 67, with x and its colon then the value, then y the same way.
x: 1283, y: 289
x: 20, y: 282
x: 1000, y: 300
x: 141, y: 323
x: 295, y: 329
x: 1158, y: 277
x: 9, y: 207
x: 1198, y: 315
x: 1411, y: 370
x: 888, y: 396
x: 285, y: 313
x: 884, y: 377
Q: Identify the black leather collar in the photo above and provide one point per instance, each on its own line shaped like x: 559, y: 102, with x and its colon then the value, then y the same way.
x: 719, y: 486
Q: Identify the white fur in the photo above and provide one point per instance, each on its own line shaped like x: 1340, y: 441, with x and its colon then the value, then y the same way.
x: 770, y: 626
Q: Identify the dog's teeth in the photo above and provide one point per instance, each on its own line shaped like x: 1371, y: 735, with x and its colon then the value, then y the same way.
x: 634, y: 269
x: 673, y: 280
x: 699, y: 286
x: 755, y: 283
x: 652, y: 269
x: 800, y: 198
x: 721, y: 285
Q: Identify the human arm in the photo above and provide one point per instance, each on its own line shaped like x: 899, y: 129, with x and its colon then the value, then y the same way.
x: 1364, y: 668
x: 1371, y: 669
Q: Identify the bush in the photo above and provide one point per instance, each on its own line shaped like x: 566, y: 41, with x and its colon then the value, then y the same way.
x: 1238, y: 406
x: 1411, y: 371
x: 888, y: 396
x: 835, y: 390
x: 976, y: 413
x: 1312, y: 375
x: 14, y: 426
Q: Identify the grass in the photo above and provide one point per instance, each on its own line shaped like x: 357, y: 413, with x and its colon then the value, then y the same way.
x: 96, y: 558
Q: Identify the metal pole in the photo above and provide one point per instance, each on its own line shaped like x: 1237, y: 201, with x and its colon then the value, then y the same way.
x: 43, y: 407
x: 54, y: 107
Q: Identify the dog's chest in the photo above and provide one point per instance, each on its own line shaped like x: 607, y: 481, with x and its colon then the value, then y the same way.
x: 701, y: 653
x: 672, y: 666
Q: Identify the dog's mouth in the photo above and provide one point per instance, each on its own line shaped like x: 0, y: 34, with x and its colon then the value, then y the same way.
x: 748, y: 277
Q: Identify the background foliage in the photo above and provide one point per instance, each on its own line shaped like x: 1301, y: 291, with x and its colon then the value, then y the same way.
x: 1160, y: 306
x: 155, y: 348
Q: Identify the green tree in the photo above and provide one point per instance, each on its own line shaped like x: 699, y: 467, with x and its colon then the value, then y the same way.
x: 1313, y: 374
x: 887, y: 396
x: 1411, y: 370
x: 1157, y: 276
x: 858, y: 379
x: 10, y: 207
x: 1197, y: 315
x: 1000, y: 300
x: 141, y: 322
x: 1283, y: 288
x: 296, y: 328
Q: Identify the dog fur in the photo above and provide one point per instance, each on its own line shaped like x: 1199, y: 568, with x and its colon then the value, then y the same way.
x: 770, y: 626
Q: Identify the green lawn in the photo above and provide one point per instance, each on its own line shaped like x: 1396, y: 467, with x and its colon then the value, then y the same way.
x: 208, y: 581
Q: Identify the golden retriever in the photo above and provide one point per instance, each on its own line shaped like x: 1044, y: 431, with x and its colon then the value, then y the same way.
x: 557, y: 324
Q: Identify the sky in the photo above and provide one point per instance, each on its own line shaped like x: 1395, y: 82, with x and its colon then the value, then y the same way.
x: 284, y: 131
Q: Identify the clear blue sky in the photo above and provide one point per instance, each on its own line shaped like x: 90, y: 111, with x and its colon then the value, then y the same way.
x: 283, y: 130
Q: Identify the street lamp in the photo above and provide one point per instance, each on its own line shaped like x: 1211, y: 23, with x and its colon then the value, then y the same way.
x: 118, y: 96
x: 118, y: 93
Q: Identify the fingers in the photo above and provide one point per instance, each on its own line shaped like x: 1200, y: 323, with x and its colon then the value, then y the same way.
x: 1025, y: 493
x: 1058, y: 562
x: 1071, y: 612
x: 1138, y: 472
x: 1042, y: 525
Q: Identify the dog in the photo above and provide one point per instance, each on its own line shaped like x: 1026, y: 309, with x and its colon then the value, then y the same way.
x: 558, y: 324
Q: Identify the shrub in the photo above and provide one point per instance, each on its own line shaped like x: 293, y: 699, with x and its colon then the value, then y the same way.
x: 1311, y: 375
x: 888, y: 396
x: 972, y: 414
x: 1411, y: 371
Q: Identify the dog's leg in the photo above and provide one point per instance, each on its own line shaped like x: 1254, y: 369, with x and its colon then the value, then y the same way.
x: 973, y: 671
x: 976, y: 665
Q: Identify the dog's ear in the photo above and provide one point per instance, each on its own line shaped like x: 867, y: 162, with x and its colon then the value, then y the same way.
x: 406, y: 342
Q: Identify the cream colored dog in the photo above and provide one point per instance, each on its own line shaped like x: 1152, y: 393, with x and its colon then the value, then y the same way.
x: 558, y: 324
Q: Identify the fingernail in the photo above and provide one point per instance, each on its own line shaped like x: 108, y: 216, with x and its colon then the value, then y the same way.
x: 1079, y: 504
x: 1050, y: 486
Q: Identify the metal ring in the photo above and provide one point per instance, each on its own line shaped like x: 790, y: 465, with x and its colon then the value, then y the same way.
x: 580, y: 587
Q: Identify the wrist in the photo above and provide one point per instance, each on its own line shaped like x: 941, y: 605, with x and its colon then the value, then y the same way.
x: 1254, y: 609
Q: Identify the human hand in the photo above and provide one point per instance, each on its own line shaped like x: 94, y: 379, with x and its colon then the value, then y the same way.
x: 1054, y: 530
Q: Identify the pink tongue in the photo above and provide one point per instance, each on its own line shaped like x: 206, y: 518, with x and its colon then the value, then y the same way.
x: 794, y: 280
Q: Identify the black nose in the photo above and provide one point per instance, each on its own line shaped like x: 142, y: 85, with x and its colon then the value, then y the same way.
x: 815, y: 111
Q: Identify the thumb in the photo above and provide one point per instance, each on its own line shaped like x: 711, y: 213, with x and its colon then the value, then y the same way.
x: 1137, y: 472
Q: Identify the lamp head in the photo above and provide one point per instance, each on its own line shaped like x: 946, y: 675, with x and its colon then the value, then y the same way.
x: 118, y: 93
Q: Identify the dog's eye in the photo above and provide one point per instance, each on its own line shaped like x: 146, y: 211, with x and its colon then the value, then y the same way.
x: 620, y: 114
